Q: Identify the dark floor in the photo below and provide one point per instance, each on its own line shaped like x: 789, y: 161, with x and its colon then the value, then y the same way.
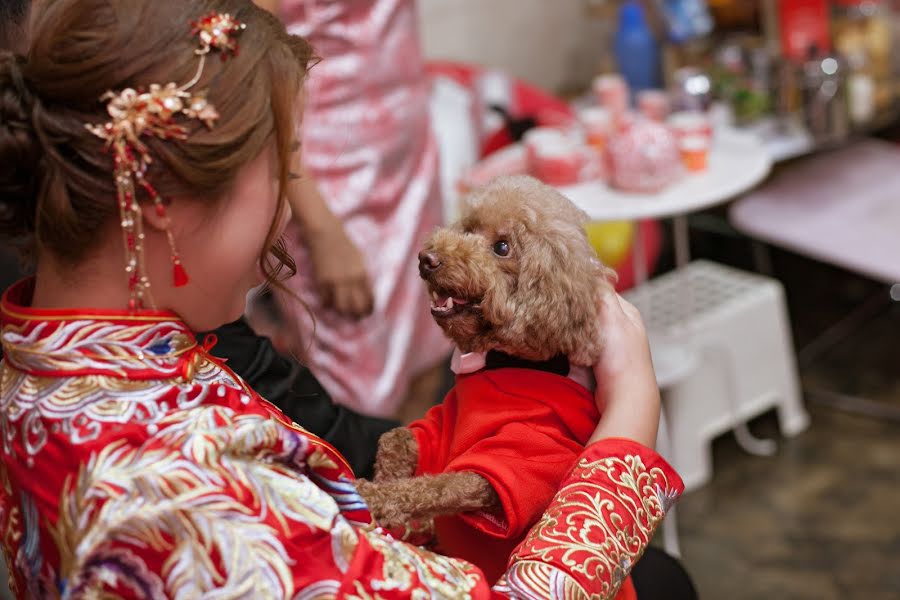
x: 821, y: 520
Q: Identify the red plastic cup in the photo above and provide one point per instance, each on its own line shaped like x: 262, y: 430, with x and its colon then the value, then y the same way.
x: 553, y: 156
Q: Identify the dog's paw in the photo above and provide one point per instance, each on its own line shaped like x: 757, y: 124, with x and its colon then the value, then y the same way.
x: 398, y: 455
x: 418, y: 532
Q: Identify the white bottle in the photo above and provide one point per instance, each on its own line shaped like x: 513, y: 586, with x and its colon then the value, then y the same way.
x: 860, y: 91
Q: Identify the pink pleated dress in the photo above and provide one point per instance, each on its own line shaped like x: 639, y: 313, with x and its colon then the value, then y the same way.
x: 367, y: 139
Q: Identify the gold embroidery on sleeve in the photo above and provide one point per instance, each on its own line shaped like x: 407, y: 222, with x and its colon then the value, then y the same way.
x: 596, y: 530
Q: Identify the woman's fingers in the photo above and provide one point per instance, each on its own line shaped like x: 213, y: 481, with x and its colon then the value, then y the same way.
x: 351, y: 298
x: 359, y: 298
x: 367, y: 298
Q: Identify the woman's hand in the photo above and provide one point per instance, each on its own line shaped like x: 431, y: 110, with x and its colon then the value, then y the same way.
x: 339, y: 270
x: 338, y: 267
x: 627, y: 394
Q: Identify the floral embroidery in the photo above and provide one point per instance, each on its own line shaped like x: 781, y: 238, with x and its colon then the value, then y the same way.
x: 530, y: 580
x: 407, y: 568
x: 103, y: 347
x: 168, y: 495
x: 321, y: 590
x: 80, y: 407
x: 598, y: 528
x: 10, y: 525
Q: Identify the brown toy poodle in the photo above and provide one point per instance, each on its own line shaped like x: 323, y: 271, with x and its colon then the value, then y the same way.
x: 515, y: 284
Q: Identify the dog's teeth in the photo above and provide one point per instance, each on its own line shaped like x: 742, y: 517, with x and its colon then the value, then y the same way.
x: 449, y: 304
x: 434, y: 295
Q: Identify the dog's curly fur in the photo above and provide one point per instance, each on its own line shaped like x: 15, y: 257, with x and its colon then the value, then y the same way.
x: 538, y: 301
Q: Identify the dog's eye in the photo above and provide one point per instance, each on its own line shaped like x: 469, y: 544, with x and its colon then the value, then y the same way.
x: 501, y: 248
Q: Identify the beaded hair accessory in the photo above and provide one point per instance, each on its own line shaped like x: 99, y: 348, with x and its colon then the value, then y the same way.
x: 137, y: 114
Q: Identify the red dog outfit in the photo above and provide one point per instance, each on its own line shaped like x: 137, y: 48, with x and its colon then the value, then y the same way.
x: 521, y: 429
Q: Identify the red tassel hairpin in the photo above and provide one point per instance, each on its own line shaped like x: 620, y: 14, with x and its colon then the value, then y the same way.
x: 136, y: 114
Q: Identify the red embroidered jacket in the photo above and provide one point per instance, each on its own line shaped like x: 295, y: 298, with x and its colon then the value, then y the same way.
x: 134, y: 465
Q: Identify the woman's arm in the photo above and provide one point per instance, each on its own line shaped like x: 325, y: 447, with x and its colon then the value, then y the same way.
x: 595, y: 530
x: 338, y: 265
x: 627, y: 394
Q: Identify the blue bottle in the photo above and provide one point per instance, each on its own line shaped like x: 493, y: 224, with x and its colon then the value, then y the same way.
x: 636, y: 50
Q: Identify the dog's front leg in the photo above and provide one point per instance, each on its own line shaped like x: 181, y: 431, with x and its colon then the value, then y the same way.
x: 397, y: 502
x: 398, y: 455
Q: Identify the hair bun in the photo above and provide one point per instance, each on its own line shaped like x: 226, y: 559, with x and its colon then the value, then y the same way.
x: 19, y: 150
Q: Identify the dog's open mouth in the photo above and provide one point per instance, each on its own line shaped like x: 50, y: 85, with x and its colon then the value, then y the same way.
x: 445, y: 304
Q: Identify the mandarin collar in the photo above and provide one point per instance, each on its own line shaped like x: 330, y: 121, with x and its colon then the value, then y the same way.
x: 144, y: 344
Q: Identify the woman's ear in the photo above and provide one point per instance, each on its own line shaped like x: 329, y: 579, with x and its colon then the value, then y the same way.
x: 180, y: 215
x: 155, y: 217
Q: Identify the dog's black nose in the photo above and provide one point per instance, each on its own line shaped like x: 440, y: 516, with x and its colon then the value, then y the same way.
x: 428, y: 262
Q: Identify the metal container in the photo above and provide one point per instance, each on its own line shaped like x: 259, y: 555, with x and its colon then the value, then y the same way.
x: 691, y: 90
x: 824, y: 98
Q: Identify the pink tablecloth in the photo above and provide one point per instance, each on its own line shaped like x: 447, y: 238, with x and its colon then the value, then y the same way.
x: 842, y: 208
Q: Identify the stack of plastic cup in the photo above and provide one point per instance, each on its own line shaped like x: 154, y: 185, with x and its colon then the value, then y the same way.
x: 598, y: 127
x: 694, y: 152
x: 611, y: 92
x: 654, y: 104
x: 554, y: 157
x: 689, y: 124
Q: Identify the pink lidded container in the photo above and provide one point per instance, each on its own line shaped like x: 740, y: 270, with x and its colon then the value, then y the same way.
x: 644, y: 158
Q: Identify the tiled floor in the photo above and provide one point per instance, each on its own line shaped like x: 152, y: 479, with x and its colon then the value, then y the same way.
x: 821, y: 520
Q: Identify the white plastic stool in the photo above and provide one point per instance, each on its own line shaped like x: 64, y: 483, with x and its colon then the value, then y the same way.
x: 735, y: 326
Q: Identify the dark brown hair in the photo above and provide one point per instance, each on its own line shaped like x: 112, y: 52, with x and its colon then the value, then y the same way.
x: 12, y: 21
x: 56, y: 179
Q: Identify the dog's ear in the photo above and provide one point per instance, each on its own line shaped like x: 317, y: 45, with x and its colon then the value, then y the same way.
x: 499, y: 305
x: 557, y: 300
x: 602, y: 281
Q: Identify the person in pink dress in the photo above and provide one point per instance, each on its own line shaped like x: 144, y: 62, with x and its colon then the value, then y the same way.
x: 368, y: 150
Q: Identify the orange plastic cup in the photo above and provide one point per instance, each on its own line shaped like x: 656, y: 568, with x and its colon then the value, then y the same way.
x: 695, y: 153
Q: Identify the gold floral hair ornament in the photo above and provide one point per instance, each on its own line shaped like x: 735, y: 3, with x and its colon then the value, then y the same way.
x: 139, y: 114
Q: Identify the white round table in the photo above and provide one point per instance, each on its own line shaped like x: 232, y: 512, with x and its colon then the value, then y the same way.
x: 738, y: 161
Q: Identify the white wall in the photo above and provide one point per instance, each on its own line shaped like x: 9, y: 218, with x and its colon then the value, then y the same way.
x: 556, y: 44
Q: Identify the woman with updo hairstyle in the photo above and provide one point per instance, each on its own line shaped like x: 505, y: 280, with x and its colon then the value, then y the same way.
x: 145, y: 146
